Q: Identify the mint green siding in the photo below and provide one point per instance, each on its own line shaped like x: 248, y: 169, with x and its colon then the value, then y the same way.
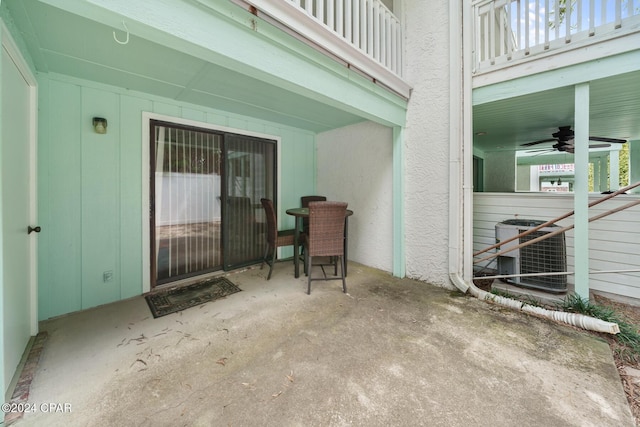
x: 91, y: 187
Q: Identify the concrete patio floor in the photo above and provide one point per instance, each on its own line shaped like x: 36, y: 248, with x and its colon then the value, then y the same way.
x: 389, y: 353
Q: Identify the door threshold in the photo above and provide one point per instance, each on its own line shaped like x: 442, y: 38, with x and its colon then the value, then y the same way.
x: 193, y: 279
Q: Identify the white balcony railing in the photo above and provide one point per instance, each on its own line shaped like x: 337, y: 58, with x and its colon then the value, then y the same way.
x: 366, y: 24
x: 364, y: 34
x: 510, y: 30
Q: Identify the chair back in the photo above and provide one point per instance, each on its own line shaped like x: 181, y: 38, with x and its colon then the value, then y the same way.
x: 272, y: 227
x: 304, y: 201
x: 326, y: 228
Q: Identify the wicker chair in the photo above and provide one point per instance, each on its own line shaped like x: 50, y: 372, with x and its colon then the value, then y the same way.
x: 325, y: 239
x: 304, y: 202
x: 275, y: 238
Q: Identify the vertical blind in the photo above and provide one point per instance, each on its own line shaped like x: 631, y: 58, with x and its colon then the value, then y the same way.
x: 206, y: 210
x: 250, y: 176
x: 187, y: 202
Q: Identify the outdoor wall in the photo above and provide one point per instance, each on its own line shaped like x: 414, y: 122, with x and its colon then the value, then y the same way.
x: 426, y: 151
x: 90, y: 187
x: 349, y: 160
x: 614, y: 241
x: 523, y: 178
x: 500, y: 171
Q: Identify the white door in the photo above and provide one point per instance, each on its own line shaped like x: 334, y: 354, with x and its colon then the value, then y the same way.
x: 16, y: 283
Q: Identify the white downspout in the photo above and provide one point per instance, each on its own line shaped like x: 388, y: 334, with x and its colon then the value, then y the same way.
x: 455, y: 135
x: 460, y: 202
x: 460, y: 184
x: 573, y: 319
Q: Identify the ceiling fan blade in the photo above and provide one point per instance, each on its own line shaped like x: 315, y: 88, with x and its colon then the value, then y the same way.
x: 529, y: 144
x: 569, y: 148
x: 539, y: 149
x: 545, y: 151
x: 614, y: 140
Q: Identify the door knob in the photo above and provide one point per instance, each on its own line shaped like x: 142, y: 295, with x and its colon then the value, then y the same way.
x: 31, y: 229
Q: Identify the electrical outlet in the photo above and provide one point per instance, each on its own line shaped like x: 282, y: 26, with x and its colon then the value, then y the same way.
x: 107, y: 276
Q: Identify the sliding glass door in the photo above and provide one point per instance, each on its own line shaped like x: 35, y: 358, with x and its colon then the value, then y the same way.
x: 205, y: 206
x: 250, y: 176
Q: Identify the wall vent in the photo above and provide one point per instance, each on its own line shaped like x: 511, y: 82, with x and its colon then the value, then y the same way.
x: 546, y: 256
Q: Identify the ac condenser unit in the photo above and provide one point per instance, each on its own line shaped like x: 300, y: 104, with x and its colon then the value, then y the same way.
x: 546, y: 256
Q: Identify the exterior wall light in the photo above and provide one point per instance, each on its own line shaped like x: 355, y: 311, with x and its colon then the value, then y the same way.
x: 100, y: 124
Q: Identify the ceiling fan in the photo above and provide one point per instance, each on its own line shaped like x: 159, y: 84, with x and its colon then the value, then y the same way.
x: 564, y: 141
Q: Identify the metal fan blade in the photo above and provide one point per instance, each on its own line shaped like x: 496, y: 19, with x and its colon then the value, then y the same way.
x: 548, y: 150
x: 528, y: 144
x: 544, y: 151
x: 614, y: 140
x: 572, y: 149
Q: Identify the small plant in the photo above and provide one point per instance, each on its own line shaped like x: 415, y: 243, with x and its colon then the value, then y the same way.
x: 628, y: 338
x: 502, y: 293
x: 528, y: 299
x: 573, y: 303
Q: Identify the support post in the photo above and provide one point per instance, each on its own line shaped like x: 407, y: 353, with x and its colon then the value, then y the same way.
x: 581, y: 190
x: 399, y: 267
x: 634, y: 159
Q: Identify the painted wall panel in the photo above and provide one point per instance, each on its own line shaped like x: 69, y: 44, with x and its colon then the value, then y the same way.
x: 191, y: 114
x: 363, y: 181
x: 131, y: 246
x: 300, y: 151
x: 92, y: 201
x: 62, y: 221
x: 43, y: 154
x: 100, y: 173
x: 217, y: 119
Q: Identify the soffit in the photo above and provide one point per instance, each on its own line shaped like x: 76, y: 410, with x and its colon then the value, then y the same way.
x: 508, y: 123
x: 68, y: 44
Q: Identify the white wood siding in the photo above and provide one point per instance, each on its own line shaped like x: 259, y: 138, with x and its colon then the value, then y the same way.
x: 614, y: 240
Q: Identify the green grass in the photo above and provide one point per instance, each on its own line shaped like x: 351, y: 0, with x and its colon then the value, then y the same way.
x: 628, y: 338
x: 526, y: 299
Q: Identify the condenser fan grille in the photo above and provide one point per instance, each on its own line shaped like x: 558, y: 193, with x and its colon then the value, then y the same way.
x: 545, y: 256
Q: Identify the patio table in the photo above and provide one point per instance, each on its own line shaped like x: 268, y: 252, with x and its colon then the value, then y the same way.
x: 300, y: 213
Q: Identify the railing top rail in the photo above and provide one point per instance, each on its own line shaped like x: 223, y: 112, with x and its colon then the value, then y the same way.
x: 363, y: 34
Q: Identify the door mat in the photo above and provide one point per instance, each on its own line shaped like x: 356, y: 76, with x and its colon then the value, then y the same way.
x: 178, y: 299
